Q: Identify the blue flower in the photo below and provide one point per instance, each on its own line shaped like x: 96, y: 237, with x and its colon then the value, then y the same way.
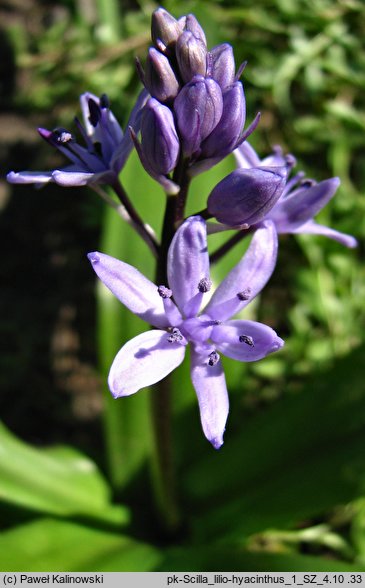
x: 174, y: 310
x: 104, y: 154
x: 301, y: 199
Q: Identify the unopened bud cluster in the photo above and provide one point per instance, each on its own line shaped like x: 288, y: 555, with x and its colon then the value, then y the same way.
x: 197, y: 110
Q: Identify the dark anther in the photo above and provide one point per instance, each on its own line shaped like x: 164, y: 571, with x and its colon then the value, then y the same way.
x: 204, y: 285
x: 246, y: 339
x: 244, y: 295
x: 98, y: 148
x: 104, y: 101
x: 94, y: 111
x: 62, y: 136
x: 307, y: 183
x: 164, y: 292
x: 175, y: 336
x: 213, y: 358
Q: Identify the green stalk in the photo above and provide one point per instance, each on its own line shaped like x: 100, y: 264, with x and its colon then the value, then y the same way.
x: 110, y: 22
x: 162, y: 457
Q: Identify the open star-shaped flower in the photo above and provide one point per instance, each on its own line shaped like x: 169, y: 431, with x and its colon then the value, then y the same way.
x: 105, y: 152
x: 300, y: 201
x: 174, y: 310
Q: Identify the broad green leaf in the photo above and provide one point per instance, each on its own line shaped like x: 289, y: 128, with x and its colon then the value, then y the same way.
x: 126, y: 420
x: 56, y: 481
x: 296, y: 459
x: 63, y: 546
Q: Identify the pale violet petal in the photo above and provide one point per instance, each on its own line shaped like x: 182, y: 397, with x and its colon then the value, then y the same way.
x: 210, y: 386
x: 302, y: 205
x: 248, y: 277
x: 188, y: 263
x: 245, y: 340
x: 246, y: 156
x: 29, y: 177
x: 314, y: 228
x: 126, y: 145
x: 143, y: 361
x: 67, y: 178
x: 84, y: 103
x: 131, y: 287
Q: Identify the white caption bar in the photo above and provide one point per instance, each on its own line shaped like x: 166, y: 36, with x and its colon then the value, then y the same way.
x: 167, y: 579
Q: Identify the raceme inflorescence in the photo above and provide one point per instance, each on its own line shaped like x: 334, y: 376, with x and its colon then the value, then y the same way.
x: 189, y: 116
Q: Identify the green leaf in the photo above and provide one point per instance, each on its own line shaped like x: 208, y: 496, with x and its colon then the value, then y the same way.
x: 126, y: 420
x: 210, y: 559
x: 63, y: 546
x: 59, y: 481
x: 296, y: 459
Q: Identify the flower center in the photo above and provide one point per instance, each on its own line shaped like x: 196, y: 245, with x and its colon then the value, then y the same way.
x: 175, y: 335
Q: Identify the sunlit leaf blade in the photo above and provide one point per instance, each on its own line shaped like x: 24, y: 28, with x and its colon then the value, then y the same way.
x: 61, y: 482
x: 297, y: 459
x: 127, y: 428
x: 63, y: 546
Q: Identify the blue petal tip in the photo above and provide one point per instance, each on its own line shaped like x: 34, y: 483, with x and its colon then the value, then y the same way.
x: 93, y: 257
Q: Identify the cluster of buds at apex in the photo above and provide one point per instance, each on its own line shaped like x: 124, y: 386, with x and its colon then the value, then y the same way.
x: 200, y: 87
x: 245, y: 196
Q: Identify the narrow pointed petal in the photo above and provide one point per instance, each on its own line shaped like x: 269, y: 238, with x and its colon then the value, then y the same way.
x: 121, y: 154
x: 277, y: 158
x: 303, y: 204
x: 69, y: 178
x: 246, y: 156
x: 131, y: 287
x: 245, y: 340
x: 29, y: 177
x: 314, y: 228
x: 248, y: 277
x: 143, y: 361
x: 210, y: 386
x: 188, y: 260
x: 85, y: 110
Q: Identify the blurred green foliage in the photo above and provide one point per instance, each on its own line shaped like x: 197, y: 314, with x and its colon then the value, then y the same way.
x: 287, y: 490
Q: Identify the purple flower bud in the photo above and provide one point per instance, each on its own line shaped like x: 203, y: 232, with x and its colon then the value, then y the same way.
x: 160, y: 143
x: 198, y: 108
x: 159, y: 77
x: 191, y: 54
x: 190, y: 23
x: 223, y: 139
x: 246, y: 195
x: 220, y: 65
x: 165, y: 30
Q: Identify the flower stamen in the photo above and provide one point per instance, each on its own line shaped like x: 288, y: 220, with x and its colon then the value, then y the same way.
x: 204, y: 285
x: 246, y: 339
x: 213, y: 358
x: 244, y: 294
x: 175, y: 336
